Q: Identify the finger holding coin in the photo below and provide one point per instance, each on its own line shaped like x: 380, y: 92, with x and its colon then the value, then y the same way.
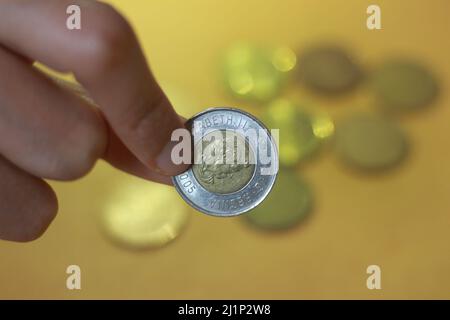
x: 235, y: 163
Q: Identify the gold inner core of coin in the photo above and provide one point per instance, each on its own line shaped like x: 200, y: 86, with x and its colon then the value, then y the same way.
x: 225, y: 162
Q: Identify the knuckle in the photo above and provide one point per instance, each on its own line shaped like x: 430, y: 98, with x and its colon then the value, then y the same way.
x: 111, y: 37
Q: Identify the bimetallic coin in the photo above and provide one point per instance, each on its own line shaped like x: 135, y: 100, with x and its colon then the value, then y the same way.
x: 403, y: 85
x: 254, y: 73
x: 370, y: 142
x: 328, y: 69
x: 226, y: 180
x: 301, y: 132
x: 220, y: 177
x: 287, y: 205
x: 142, y: 215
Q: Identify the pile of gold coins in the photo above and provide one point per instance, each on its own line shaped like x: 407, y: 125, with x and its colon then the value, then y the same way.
x: 367, y: 141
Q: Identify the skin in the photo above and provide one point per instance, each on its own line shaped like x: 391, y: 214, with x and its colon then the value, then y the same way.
x: 48, y: 132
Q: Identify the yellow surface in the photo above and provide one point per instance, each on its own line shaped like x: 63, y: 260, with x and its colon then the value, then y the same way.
x: 399, y: 220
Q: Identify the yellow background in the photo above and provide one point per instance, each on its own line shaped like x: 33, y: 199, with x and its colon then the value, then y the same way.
x: 399, y: 221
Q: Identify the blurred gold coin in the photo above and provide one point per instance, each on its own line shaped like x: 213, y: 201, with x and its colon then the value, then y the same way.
x: 370, y: 142
x: 254, y: 73
x: 328, y: 69
x: 288, y: 203
x: 404, y: 85
x: 301, y: 132
x: 141, y: 214
x: 284, y: 59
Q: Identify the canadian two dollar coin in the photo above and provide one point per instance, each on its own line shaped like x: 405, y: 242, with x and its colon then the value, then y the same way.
x: 235, y: 163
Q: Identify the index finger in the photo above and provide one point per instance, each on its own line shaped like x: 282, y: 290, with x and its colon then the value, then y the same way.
x: 106, y: 58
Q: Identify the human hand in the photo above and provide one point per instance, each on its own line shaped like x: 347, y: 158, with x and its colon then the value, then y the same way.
x: 48, y: 132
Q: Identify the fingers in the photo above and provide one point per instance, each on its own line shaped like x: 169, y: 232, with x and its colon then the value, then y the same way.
x: 106, y: 58
x: 27, y: 204
x: 46, y: 130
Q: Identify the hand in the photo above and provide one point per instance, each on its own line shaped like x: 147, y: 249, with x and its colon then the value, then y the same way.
x: 49, y: 132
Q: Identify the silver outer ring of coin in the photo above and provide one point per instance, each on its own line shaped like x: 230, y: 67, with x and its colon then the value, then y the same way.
x: 253, y: 193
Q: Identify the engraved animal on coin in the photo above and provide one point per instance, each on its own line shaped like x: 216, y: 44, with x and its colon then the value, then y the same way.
x: 224, y: 168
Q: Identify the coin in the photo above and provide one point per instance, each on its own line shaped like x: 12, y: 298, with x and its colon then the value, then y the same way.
x: 328, y: 69
x: 218, y: 184
x: 404, y: 85
x: 301, y: 132
x: 288, y: 204
x: 250, y: 73
x: 370, y: 142
x: 142, y: 215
